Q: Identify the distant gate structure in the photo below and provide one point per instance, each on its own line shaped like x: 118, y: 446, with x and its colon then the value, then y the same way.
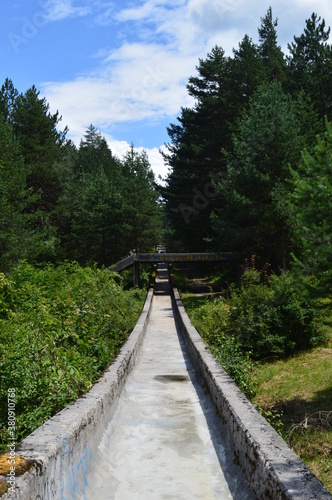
x: 154, y: 258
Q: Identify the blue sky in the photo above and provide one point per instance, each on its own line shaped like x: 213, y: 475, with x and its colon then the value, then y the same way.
x: 123, y: 66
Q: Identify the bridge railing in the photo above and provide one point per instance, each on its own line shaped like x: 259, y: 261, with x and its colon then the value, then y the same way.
x: 136, y: 258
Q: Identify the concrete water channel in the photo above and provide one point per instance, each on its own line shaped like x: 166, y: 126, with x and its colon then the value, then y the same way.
x: 165, y: 440
x: 165, y: 421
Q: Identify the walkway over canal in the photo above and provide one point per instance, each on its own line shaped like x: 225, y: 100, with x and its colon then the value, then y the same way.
x: 165, y: 440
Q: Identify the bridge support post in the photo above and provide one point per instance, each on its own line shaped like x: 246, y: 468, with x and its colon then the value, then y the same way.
x: 136, y: 277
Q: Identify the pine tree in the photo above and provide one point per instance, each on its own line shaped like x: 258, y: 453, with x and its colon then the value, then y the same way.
x: 255, y: 217
x: 142, y: 214
x: 36, y: 130
x: 269, y: 51
x: 8, y: 95
x: 92, y: 201
x: 194, y: 151
x: 311, y: 207
x: 310, y: 65
x: 246, y: 74
x: 16, y: 237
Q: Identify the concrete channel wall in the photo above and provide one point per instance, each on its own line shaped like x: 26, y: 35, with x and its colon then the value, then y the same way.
x: 273, y: 471
x: 60, y: 453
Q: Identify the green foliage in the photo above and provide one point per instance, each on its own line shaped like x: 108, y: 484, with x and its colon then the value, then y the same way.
x: 36, y: 129
x: 264, y: 316
x: 310, y: 65
x: 58, y: 201
x: 211, y: 318
x: 255, y: 188
x: 14, y: 197
x: 311, y: 206
x: 108, y: 207
x: 274, y: 316
x: 228, y: 187
x: 194, y: 152
x: 142, y: 214
x: 271, y: 54
x: 60, y: 328
x: 8, y: 95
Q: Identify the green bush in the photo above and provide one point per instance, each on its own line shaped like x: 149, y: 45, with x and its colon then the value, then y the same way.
x: 60, y: 328
x: 264, y: 316
x: 276, y: 316
x: 210, y: 319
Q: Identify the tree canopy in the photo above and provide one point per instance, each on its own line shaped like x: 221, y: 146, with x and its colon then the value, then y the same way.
x: 243, y: 161
x: 59, y: 201
x: 236, y: 156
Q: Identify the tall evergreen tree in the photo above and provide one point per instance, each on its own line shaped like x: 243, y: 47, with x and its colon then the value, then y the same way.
x: 194, y: 151
x: 310, y: 65
x: 16, y: 237
x: 255, y: 217
x: 91, y: 204
x: 269, y: 51
x: 40, y: 140
x: 142, y: 214
x: 246, y: 73
x: 8, y: 95
x: 311, y: 208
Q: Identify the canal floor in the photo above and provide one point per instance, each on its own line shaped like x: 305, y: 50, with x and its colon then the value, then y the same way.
x: 165, y: 440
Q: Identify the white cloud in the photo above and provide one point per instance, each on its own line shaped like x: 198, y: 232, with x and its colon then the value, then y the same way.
x: 211, y: 14
x: 57, y: 10
x: 144, y: 79
x: 136, y: 82
x: 149, y: 9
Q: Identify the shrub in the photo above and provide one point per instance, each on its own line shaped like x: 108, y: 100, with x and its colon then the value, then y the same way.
x: 60, y: 328
x: 276, y: 316
x: 211, y: 319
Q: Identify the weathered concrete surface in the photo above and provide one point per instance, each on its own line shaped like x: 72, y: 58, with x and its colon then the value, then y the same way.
x: 165, y: 439
x: 270, y: 466
x: 64, y: 448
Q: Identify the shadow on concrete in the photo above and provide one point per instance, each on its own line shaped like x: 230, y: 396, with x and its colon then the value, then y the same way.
x: 162, y: 286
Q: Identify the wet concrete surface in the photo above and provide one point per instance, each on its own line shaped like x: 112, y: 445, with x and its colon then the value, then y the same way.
x: 165, y: 440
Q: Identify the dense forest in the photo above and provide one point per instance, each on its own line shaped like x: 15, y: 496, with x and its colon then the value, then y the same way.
x: 250, y: 167
x: 250, y: 162
x: 61, y: 202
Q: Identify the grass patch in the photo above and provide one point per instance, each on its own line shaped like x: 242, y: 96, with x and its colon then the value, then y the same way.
x: 299, y: 388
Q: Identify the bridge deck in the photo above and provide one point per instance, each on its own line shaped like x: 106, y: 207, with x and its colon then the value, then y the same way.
x: 171, y: 257
x: 165, y: 440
